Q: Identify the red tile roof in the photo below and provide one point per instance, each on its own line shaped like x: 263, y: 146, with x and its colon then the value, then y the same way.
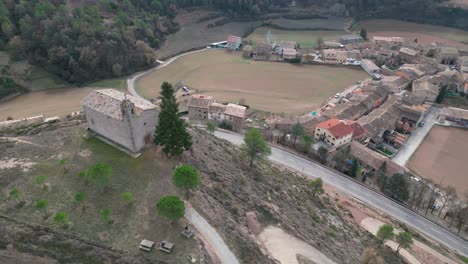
x: 329, y: 123
x: 340, y: 130
x: 358, y: 130
x: 233, y: 39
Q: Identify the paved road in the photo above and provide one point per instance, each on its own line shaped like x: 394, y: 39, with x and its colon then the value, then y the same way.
x: 134, y: 78
x: 209, y: 233
x: 380, y: 202
x: 417, y: 136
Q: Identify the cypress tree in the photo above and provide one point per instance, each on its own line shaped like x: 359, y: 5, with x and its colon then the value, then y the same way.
x: 171, y: 132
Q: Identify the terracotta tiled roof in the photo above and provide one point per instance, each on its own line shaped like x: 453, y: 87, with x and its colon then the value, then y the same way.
x: 109, y: 102
x: 200, y: 101
x: 374, y: 159
x: 235, y: 110
x: 233, y: 39
x: 358, y: 130
x: 329, y: 123
x: 340, y: 130
x: 289, y: 52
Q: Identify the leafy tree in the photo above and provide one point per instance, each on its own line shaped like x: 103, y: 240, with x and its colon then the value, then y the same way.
x: 186, y: 177
x: 63, y: 163
x: 15, y: 193
x: 127, y: 197
x: 320, y: 42
x: 40, y: 180
x: 322, y: 154
x: 404, y: 239
x: 307, y: 142
x: 99, y: 174
x: 171, y: 132
x: 255, y: 146
x: 448, y: 196
x: 356, y: 169
x: 381, y: 175
x: 210, y: 127
x: 363, y: 33
x: 42, y: 206
x: 105, y: 215
x: 397, y: 187
x: 80, y: 199
x: 61, y: 218
x: 441, y: 96
x: 316, y: 186
x: 171, y: 207
x: 297, y: 130
x: 385, y: 232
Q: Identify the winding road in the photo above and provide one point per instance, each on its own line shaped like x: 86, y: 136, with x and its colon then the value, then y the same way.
x: 312, y: 170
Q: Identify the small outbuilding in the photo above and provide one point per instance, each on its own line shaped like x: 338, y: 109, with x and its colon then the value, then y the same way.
x: 234, y: 43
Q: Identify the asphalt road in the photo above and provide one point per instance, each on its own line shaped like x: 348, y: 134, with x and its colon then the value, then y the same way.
x: 310, y: 169
x: 417, y: 136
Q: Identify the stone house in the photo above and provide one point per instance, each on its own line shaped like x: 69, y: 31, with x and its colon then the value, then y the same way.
x: 370, y: 67
x: 388, y: 40
x: 263, y: 50
x: 120, y: 119
x: 280, y: 46
x: 289, y: 54
x: 216, y: 112
x: 425, y: 90
x: 329, y: 54
x: 247, y: 51
x: 348, y: 39
x: 234, y: 43
x: 373, y: 160
x: 198, y: 107
x: 235, y: 116
x: 447, y: 55
x: 408, y: 55
x: 333, y: 132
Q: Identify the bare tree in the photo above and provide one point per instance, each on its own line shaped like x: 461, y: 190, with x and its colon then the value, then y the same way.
x: 447, y: 197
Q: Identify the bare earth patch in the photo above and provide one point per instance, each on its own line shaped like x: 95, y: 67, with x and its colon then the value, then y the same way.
x: 13, y: 163
x: 441, y: 157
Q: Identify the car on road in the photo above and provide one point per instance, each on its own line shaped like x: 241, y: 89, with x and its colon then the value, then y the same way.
x: 421, y: 124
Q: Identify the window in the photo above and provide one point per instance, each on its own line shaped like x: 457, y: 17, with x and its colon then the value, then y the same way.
x: 334, y: 139
x: 333, y: 144
x: 144, y: 123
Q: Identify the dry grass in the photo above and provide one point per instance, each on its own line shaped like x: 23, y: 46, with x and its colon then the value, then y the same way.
x: 441, y: 157
x: 425, y: 33
x: 268, y: 86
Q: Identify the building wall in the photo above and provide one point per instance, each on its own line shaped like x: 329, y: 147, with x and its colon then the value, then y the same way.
x: 144, y: 126
x: 216, y: 117
x: 237, y: 123
x: 425, y: 95
x: 233, y: 45
x: 197, y: 113
x: 327, y: 137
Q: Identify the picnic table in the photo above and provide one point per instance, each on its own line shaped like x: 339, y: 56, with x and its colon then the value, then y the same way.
x: 146, y: 245
x: 166, y: 246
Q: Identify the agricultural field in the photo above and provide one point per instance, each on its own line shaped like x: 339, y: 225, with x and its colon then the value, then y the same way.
x: 426, y: 34
x: 441, y: 159
x: 118, y: 83
x: 267, y: 86
x: 309, y: 24
x: 306, y: 38
x: 42, y: 80
x: 147, y: 178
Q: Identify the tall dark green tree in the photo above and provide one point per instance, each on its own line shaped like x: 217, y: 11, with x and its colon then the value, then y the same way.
x: 255, y: 146
x: 171, y: 132
x: 397, y: 187
x: 363, y: 33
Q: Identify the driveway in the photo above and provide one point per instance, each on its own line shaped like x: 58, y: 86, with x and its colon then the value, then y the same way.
x: 312, y: 170
x: 416, y: 137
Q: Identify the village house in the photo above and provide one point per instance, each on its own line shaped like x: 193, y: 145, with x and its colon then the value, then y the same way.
x: 372, y: 160
x: 332, y: 44
x: 462, y: 64
x: 341, y: 56
x: 280, y: 46
x: 122, y: 120
x: 216, y: 112
x: 395, y: 84
x: 329, y: 54
x: 425, y: 90
x: 289, y: 54
x: 409, y: 72
x: 353, y: 57
x: 247, y: 51
x: 235, y: 116
x: 370, y: 67
x: 447, y: 55
x: 408, y: 55
x: 453, y: 116
x: 234, y: 43
x: 198, y: 107
x: 388, y: 40
x: 263, y: 50
x: 334, y: 132
x: 348, y: 39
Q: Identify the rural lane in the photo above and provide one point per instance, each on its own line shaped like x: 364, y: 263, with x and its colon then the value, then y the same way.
x: 416, y: 138
x: 312, y: 170
x: 131, y: 81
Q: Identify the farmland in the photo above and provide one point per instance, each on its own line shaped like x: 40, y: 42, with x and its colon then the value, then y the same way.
x: 268, y: 86
x: 426, y: 34
x: 306, y: 39
x: 441, y: 157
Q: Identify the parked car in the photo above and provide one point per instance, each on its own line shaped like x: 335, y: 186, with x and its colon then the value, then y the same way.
x: 421, y: 124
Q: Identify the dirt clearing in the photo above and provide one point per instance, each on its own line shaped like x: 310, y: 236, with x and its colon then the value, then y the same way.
x: 426, y: 34
x: 268, y: 86
x: 441, y: 157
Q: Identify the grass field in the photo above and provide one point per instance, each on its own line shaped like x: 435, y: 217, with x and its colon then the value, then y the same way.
x: 118, y: 83
x: 147, y: 177
x: 307, y: 39
x: 268, y: 86
x: 43, y: 80
x: 441, y: 157
x: 425, y: 33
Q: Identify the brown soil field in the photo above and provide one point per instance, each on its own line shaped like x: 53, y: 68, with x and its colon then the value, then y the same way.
x: 441, y: 157
x: 49, y: 102
x: 425, y: 34
x: 268, y: 86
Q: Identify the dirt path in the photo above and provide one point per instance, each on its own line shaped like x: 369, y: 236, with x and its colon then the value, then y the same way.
x: 285, y: 247
x: 211, y: 236
x: 372, y: 225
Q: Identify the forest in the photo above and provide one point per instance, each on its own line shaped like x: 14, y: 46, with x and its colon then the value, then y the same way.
x: 84, y: 40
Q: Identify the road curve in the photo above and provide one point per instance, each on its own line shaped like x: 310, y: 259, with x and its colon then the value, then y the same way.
x: 131, y: 81
x: 311, y: 170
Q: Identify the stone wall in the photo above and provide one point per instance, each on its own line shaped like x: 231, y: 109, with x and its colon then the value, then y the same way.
x: 13, y: 124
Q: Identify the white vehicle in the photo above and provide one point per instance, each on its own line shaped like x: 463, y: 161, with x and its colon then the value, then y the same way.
x: 337, y: 95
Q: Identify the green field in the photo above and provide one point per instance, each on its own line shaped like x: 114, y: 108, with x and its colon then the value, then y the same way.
x: 268, y: 86
x: 306, y: 39
x: 41, y: 80
x: 118, y: 83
